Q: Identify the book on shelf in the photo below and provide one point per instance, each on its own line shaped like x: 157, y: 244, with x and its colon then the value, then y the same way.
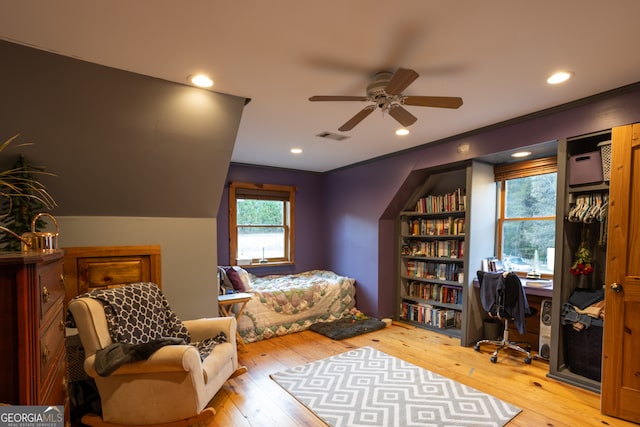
x: 427, y: 314
x: 492, y: 264
x: 437, y: 248
x: 448, y: 294
x: 435, y: 226
x: 433, y: 270
x: 451, y: 202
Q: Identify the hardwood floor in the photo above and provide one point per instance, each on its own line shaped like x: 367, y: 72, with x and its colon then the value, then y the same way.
x: 253, y: 399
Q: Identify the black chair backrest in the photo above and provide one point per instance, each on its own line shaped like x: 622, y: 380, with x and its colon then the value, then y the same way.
x: 507, y: 297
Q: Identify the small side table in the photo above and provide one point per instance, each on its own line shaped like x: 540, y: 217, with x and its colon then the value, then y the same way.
x: 226, y: 303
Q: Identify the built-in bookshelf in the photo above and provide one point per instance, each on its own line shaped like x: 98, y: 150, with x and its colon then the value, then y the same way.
x: 436, y: 262
x: 432, y: 261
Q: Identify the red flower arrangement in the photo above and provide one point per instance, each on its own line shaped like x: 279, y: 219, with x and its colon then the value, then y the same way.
x: 582, y: 263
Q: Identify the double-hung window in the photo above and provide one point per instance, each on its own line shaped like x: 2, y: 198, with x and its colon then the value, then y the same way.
x: 261, y: 224
x: 526, y: 215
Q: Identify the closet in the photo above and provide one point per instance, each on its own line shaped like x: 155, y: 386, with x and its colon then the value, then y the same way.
x: 580, y: 265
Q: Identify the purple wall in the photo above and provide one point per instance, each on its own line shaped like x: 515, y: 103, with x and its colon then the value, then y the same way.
x: 345, y: 218
x: 364, y: 199
x: 309, y: 210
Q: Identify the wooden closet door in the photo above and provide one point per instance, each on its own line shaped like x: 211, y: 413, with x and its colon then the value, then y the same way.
x: 620, y: 391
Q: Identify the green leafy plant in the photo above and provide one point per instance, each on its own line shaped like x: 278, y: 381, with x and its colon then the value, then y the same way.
x: 582, y: 261
x: 22, y: 196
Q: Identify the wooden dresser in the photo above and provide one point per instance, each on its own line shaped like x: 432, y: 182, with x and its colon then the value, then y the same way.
x: 32, y: 332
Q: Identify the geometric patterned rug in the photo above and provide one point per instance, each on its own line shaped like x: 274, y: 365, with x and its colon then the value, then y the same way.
x: 366, y: 387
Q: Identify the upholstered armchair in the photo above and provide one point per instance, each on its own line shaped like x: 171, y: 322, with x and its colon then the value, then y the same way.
x: 170, y: 386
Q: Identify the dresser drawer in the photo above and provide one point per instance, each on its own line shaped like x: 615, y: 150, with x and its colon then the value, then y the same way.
x: 100, y: 273
x: 50, y: 287
x: 55, y: 392
x: 51, y: 343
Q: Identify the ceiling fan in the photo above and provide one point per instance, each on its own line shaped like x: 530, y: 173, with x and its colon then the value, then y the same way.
x: 386, y: 93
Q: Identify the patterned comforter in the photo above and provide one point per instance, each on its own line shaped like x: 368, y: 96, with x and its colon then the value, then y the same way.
x: 291, y: 303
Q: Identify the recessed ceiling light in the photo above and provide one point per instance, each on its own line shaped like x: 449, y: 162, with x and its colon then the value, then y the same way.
x: 296, y: 150
x: 402, y: 132
x: 559, y: 77
x: 521, y: 154
x: 201, y: 80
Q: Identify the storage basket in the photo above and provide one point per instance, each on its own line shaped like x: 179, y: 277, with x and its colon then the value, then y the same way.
x: 605, y: 151
x: 583, y: 351
x: 585, y: 168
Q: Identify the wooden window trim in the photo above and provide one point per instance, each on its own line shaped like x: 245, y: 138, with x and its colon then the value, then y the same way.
x: 284, y: 193
x: 508, y: 171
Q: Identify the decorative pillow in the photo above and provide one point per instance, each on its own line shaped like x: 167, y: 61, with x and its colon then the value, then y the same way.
x: 225, y: 283
x: 244, y: 277
x: 234, y: 277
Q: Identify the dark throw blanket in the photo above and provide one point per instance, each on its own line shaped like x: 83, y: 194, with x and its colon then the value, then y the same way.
x: 140, y: 321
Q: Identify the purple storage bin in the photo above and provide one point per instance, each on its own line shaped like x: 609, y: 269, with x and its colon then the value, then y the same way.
x: 585, y: 168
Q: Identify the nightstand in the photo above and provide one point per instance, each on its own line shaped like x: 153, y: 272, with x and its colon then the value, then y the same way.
x: 226, y: 303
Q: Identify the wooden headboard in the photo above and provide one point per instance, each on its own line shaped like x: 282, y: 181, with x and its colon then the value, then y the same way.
x: 101, y: 267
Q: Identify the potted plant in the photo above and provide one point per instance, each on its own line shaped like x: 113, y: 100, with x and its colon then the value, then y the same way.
x: 22, y: 196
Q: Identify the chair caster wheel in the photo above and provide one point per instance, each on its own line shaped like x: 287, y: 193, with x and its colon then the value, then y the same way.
x: 494, y: 359
x: 476, y: 347
x: 527, y: 360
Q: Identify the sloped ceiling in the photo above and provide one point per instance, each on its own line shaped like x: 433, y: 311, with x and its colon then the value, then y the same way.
x: 121, y: 144
x: 495, y: 54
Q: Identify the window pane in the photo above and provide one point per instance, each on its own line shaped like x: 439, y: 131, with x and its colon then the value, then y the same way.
x: 533, y: 196
x: 253, y: 240
x: 260, y: 212
x: 520, y: 241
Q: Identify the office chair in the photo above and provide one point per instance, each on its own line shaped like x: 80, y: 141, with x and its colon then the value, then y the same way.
x: 503, y: 298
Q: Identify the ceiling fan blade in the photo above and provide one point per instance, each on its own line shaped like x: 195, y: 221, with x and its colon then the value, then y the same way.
x: 338, y: 98
x: 400, y: 81
x: 433, y: 101
x: 404, y: 117
x: 353, y: 121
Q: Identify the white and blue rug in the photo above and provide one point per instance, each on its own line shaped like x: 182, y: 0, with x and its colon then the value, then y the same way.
x: 366, y: 387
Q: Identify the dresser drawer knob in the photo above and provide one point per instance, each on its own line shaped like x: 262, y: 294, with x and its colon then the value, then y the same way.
x: 45, y: 294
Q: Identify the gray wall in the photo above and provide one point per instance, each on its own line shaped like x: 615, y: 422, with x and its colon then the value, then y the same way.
x: 136, y: 158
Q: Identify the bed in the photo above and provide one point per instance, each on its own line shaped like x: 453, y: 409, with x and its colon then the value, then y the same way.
x: 284, y: 304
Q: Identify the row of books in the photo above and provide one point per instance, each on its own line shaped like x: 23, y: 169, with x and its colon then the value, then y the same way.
x: 435, y: 248
x: 492, y: 264
x: 455, y: 201
x: 433, y: 270
x: 429, y: 315
x: 435, y: 226
x: 436, y: 292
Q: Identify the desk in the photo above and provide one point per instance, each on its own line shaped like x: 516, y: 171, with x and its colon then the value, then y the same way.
x: 226, y: 303
x: 535, y: 296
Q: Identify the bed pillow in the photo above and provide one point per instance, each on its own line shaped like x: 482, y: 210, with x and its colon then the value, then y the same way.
x: 234, y: 278
x: 244, y: 277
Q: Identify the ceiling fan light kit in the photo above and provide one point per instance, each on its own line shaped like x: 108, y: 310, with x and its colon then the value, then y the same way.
x: 385, y: 92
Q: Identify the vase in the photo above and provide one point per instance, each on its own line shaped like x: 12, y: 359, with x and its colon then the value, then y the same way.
x: 585, y: 281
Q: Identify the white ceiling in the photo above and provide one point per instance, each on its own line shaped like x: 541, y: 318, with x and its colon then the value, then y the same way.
x: 495, y: 54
